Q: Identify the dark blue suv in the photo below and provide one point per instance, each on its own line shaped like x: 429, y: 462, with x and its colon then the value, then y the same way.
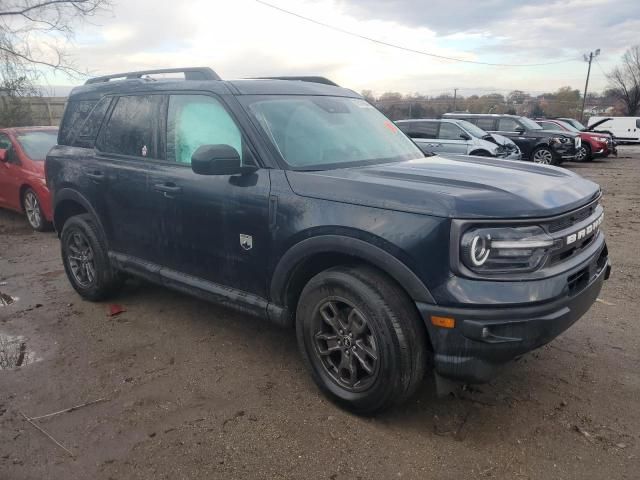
x: 297, y: 201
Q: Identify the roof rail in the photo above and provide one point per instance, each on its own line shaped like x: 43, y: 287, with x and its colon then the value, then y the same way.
x: 312, y: 79
x: 191, y: 73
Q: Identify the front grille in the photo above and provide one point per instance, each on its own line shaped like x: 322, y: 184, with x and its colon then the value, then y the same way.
x: 572, y: 218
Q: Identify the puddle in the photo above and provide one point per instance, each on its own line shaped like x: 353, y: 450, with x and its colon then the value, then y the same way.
x: 6, y: 299
x: 14, y: 352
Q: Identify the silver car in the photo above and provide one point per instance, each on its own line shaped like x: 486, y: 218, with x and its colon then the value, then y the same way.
x: 458, y: 137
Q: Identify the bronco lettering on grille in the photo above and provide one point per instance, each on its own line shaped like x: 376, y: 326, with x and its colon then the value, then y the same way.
x: 588, y: 230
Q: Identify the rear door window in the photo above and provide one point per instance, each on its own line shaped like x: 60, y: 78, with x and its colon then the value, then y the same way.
x: 487, y: 124
x: 133, y: 128
x: 637, y: 122
x: 196, y: 120
x: 423, y: 130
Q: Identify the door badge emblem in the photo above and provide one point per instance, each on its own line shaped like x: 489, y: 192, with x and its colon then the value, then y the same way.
x: 246, y: 241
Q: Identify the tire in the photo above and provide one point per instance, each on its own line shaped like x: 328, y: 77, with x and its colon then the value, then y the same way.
x: 386, y: 332
x: 481, y: 153
x: 584, y: 153
x: 33, y: 211
x: 544, y: 156
x: 85, y: 259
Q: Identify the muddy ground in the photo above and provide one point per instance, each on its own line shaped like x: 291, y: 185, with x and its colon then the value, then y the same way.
x: 191, y: 390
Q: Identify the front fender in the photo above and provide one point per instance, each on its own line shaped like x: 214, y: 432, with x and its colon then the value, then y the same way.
x: 352, y: 247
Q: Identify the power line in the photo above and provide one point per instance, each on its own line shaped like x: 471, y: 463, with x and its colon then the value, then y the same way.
x: 411, y: 50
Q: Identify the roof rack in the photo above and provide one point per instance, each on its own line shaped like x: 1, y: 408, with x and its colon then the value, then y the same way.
x: 312, y: 79
x: 191, y: 73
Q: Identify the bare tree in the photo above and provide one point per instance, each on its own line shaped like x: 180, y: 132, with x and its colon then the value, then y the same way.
x: 34, y: 34
x: 625, y: 80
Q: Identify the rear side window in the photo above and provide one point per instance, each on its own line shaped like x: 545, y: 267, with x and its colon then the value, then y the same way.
x: 637, y: 123
x: 507, y: 125
x: 86, y: 137
x: 132, y: 128
x: 449, y: 131
x: 196, y: 120
x: 423, y: 130
x: 485, y: 123
x: 74, y: 116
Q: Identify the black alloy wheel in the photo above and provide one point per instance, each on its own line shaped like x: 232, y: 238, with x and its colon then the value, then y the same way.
x: 361, y: 338
x: 346, y: 344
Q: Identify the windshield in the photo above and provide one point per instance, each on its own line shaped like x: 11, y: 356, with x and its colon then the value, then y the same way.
x: 317, y: 132
x: 530, y: 124
x: 37, y: 144
x: 472, y: 129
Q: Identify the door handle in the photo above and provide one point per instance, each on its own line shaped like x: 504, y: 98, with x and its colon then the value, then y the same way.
x: 168, y: 189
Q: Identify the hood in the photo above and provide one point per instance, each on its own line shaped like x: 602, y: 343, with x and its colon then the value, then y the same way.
x: 556, y: 133
x: 599, y: 122
x: 459, y: 187
x: 504, y: 141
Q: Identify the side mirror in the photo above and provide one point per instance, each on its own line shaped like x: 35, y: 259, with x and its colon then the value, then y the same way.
x: 4, y: 155
x: 520, y: 130
x: 218, y: 160
x: 464, y: 136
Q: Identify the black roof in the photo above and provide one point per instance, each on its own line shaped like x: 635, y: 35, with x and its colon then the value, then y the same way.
x: 205, y: 79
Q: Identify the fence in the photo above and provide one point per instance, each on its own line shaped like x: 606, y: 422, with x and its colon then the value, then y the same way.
x: 27, y: 111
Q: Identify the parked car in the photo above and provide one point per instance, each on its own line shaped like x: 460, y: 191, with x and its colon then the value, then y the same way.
x: 536, y: 144
x: 22, y: 184
x: 592, y: 145
x: 299, y: 202
x: 624, y: 129
x: 591, y: 128
x: 458, y: 137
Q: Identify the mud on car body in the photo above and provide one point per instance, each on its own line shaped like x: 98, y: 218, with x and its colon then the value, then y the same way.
x: 297, y: 201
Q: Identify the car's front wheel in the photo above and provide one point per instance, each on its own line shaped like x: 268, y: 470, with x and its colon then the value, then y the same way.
x: 544, y: 156
x: 584, y: 153
x: 85, y: 259
x: 33, y: 211
x: 361, y: 338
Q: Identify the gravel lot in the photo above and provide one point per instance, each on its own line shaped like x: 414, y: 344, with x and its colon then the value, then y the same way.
x: 195, y: 391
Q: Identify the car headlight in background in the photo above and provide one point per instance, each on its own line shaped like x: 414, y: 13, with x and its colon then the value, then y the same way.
x: 559, y: 140
x: 505, y: 249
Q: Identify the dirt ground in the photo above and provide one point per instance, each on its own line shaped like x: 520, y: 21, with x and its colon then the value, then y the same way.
x: 190, y: 390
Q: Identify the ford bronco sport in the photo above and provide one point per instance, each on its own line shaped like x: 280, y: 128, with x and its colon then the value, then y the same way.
x: 295, y: 200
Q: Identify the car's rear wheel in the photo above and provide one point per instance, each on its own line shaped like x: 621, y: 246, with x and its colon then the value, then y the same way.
x: 33, y: 211
x: 584, y: 153
x: 544, y: 156
x: 361, y: 338
x: 85, y: 259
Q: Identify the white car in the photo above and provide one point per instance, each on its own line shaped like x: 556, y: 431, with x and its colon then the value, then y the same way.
x: 624, y: 129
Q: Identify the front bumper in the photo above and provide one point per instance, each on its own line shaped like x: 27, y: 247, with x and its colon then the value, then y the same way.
x: 565, y: 151
x: 484, y: 338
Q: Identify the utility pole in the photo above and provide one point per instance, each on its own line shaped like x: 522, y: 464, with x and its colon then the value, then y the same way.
x: 589, y: 59
x: 455, y: 94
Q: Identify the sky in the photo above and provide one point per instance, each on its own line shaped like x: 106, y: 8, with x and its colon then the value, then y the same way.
x: 245, y: 38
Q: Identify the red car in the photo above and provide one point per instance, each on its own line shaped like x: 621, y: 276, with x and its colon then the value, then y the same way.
x: 592, y: 144
x: 22, y: 184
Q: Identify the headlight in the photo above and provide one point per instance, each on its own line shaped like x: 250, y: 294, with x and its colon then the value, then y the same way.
x: 559, y: 140
x: 505, y: 249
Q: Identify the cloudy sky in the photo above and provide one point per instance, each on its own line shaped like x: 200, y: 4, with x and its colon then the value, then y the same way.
x: 241, y: 38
